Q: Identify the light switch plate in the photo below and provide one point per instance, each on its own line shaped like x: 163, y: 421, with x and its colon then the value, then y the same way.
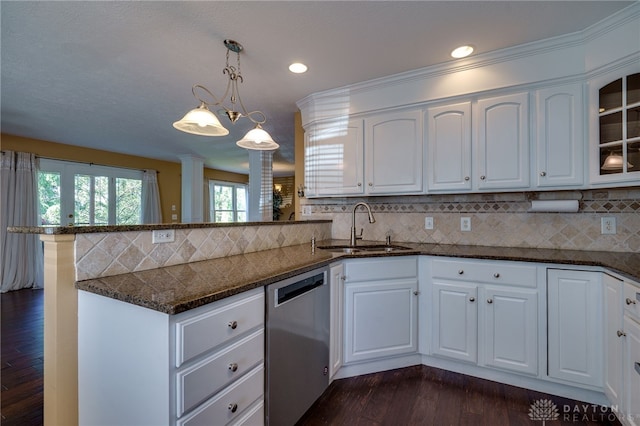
x: 608, y: 225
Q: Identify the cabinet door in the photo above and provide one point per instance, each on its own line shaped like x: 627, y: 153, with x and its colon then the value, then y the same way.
x: 393, y: 153
x: 613, y: 341
x: 575, y: 326
x: 337, y: 153
x: 336, y: 283
x: 380, y: 319
x: 310, y: 165
x: 560, y: 142
x: 632, y: 371
x: 455, y: 321
x: 449, y: 147
x: 509, y: 329
x: 503, y: 142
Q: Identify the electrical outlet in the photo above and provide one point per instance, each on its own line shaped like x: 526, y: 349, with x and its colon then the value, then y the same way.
x: 163, y: 236
x: 306, y: 210
x: 608, y: 225
x: 428, y: 222
x: 465, y: 224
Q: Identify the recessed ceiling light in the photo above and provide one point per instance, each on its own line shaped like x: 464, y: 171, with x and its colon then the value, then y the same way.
x: 298, y: 68
x: 462, y: 51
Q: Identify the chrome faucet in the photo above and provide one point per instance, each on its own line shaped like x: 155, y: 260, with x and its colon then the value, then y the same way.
x: 355, y: 237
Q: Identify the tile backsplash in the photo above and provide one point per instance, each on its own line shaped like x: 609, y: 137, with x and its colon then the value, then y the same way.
x: 113, y: 253
x: 496, y: 219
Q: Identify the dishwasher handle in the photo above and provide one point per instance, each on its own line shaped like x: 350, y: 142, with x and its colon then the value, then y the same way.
x: 291, y: 291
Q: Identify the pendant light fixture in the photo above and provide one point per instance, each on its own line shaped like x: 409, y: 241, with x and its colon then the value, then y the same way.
x: 614, y: 162
x: 202, y: 121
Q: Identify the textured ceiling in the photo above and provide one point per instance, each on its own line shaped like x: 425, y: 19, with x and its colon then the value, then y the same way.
x: 116, y: 75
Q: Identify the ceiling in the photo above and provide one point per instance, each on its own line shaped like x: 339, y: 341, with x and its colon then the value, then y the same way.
x: 116, y: 75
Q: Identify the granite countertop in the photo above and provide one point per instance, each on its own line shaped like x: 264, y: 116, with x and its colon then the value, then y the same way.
x: 178, y: 288
x: 90, y: 229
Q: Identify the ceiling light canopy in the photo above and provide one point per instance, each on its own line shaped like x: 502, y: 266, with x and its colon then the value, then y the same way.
x: 462, y: 51
x: 201, y: 121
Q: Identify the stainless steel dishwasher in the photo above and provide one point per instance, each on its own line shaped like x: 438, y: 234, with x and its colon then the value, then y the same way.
x: 297, y: 344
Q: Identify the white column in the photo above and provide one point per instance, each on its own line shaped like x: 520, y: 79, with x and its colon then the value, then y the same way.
x: 192, y: 187
x: 260, y: 186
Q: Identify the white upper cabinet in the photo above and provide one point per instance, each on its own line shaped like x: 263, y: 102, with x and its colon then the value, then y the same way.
x: 614, y: 127
x: 502, y: 128
x: 560, y: 141
x: 334, y: 159
x: 393, y: 153
x: 449, y: 147
x: 382, y: 158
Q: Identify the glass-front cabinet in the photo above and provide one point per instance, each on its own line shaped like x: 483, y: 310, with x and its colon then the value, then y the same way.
x: 619, y: 128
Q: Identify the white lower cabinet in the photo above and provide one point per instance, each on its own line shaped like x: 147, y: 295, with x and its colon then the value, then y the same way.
x: 575, y: 324
x: 380, y: 308
x: 336, y: 291
x: 493, y: 325
x: 140, y: 366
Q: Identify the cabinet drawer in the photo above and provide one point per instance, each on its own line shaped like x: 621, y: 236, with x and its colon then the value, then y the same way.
x: 485, y: 272
x: 632, y: 300
x: 203, y: 379
x: 232, y: 404
x: 205, y: 331
x: 381, y: 269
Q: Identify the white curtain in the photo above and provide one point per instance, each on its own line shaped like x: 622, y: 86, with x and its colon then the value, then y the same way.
x: 22, y: 257
x: 151, y: 212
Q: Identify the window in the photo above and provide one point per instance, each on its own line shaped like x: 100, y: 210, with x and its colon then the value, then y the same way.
x: 228, y: 202
x: 85, y: 194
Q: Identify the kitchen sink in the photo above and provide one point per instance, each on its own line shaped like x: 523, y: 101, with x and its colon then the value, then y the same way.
x: 366, y: 248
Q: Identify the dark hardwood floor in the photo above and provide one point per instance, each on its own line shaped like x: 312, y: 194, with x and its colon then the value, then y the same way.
x: 428, y: 396
x: 22, y: 357
x: 417, y: 395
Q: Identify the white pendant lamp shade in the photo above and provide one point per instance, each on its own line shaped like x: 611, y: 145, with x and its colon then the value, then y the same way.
x: 614, y: 162
x: 201, y: 121
x: 258, y: 139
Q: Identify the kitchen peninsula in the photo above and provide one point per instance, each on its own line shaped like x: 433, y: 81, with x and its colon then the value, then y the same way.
x: 245, y: 264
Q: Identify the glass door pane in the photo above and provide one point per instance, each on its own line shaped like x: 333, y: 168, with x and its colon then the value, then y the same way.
x: 128, y: 196
x: 49, y: 196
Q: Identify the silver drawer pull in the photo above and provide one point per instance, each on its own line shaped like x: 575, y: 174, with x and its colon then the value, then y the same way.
x: 472, y: 299
x: 460, y: 271
x: 496, y: 275
x: 636, y: 365
x: 621, y: 333
x: 233, y: 407
x: 489, y: 301
x: 233, y: 367
x: 630, y: 301
x: 233, y: 325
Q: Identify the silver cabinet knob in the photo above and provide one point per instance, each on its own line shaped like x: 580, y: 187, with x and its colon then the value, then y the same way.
x: 233, y: 407
x: 233, y: 325
x: 416, y: 293
x: 489, y: 301
x: 467, y: 178
x: 233, y: 367
x: 543, y: 174
x: 370, y: 183
x: 483, y: 177
x: 630, y: 301
x: 621, y: 333
x: 496, y: 275
x: 359, y: 183
x: 460, y: 271
x: 472, y: 299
